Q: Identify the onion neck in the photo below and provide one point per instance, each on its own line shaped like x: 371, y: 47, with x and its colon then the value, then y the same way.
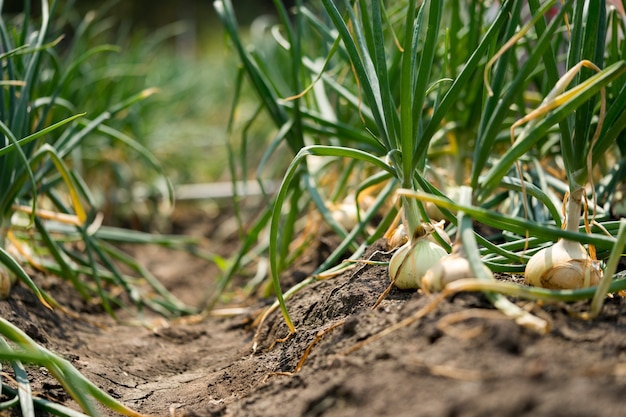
x: 572, y: 212
x: 411, y: 216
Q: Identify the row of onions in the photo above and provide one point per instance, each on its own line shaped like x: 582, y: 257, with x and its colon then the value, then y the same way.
x: 421, y: 97
x: 567, y: 268
x: 565, y: 265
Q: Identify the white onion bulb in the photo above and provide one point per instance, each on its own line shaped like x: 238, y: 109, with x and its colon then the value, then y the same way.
x: 450, y: 268
x: 411, y: 261
x: 564, y: 265
x: 345, y: 214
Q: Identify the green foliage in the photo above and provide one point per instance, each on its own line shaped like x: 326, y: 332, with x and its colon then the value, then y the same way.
x: 422, y: 95
x: 56, y: 109
x: 42, y: 186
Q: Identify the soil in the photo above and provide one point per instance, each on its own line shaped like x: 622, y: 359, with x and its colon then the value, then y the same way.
x: 463, y: 359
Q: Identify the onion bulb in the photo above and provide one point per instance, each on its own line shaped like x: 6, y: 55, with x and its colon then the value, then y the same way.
x: 346, y: 213
x: 434, y: 213
x: 564, y: 265
x: 411, y: 261
x: 398, y: 237
x: 450, y: 268
x: 7, y: 279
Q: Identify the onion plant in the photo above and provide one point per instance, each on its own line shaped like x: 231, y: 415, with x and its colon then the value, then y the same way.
x: 567, y: 265
x: 43, y: 131
x: 421, y: 95
x: 136, y: 59
x: 49, y: 218
x: 580, y: 113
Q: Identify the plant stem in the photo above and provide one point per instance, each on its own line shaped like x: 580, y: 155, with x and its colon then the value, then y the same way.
x: 574, y: 204
x: 411, y: 215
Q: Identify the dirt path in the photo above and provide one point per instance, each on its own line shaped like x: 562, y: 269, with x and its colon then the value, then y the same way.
x: 483, y: 366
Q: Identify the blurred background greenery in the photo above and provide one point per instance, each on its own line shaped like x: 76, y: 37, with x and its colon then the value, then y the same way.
x: 178, y: 48
x: 153, y: 14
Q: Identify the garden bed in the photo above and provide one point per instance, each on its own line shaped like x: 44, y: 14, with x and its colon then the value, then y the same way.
x: 366, y: 114
x: 482, y: 365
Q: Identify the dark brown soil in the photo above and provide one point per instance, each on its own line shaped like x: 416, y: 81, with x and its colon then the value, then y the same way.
x: 485, y: 365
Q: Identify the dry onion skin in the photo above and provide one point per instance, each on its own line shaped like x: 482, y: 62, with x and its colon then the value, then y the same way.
x: 411, y: 261
x: 398, y: 237
x: 566, y: 265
